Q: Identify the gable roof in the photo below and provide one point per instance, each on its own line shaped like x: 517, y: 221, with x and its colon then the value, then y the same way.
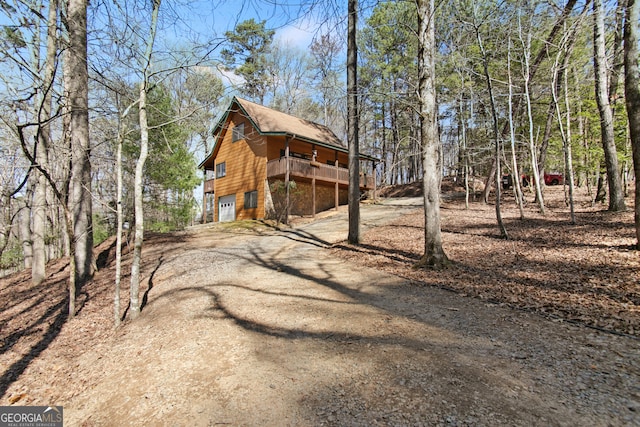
x: 272, y: 122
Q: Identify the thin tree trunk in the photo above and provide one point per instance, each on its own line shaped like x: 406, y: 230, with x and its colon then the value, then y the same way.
x: 496, y: 135
x: 601, y: 185
x: 352, y: 124
x: 618, y: 55
x: 558, y: 74
x: 24, y: 227
x: 512, y: 138
x: 434, y: 256
x: 62, y: 196
x: 38, y: 268
x: 526, y: 46
x: 542, y: 54
x: 632, y: 97
x: 616, y: 196
x: 385, y: 153
x: 134, y: 306
x: 119, y: 220
x: 464, y: 154
x: 39, y: 202
x: 567, y: 148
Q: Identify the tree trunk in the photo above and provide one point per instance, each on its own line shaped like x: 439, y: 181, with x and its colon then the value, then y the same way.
x: 38, y: 267
x: 601, y: 190
x: 463, y: 151
x: 77, y: 91
x: 568, y: 156
x: 24, y: 227
x: 526, y: 45
x: 512, y: 137
x: 352, y: 125
x: 616, y: 196
x: 134, y: 306
x: 558, y: 74
x: 434, y: 256
x: 542, y: 54
x: 494, y: 115
x: 618, y: 55
x: 119, y: 220
x: 632, y: 97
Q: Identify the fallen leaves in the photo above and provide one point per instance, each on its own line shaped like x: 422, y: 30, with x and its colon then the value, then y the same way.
x: 585, y: 272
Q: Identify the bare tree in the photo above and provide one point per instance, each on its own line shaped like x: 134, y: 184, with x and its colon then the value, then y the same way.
x: 542, y: 54
x: 616, y: 195
x: 496, y: 134
x: 434, y: 256
x: 632, y: 97
x: 526, y: 73
x: 352, y: 125
x: 76, y: 80
x: 324, y: 51
x: 43, y: 114
x: 512, y: 137
x: 134, y: 309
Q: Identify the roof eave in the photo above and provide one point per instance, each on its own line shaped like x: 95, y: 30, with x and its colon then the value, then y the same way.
x: 235, y: 100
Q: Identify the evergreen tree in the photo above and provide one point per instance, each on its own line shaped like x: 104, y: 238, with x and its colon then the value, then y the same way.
x: 246, y: 56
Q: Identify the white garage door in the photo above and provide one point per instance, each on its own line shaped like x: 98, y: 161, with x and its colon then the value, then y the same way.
x: 227, y: 208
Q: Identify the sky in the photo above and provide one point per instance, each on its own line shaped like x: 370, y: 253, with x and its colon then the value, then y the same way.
x: 293, y: 23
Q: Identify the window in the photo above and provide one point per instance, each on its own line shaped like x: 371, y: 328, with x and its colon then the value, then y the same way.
x: 251, y: 199
x: 294, y: 154
x: 238, y: 132
x: 221, y: 170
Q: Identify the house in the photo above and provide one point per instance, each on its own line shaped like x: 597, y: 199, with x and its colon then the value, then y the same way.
x: 268, y: 164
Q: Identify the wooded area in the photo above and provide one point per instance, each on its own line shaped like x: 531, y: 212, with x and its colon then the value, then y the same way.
x: 106, y: 110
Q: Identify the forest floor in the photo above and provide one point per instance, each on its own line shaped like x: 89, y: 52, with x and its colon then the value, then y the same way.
x: 251, y: 324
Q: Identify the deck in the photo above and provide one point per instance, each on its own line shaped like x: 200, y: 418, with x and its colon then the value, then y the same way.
x: 301, y: 168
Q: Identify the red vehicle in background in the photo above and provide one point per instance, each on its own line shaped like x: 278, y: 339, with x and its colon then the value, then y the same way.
x: 552, y: 178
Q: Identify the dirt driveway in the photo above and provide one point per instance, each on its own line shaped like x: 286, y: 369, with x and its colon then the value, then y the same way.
x: 269, y: 329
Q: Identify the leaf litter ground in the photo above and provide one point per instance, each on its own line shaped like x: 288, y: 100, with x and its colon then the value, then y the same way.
x: 585, y: 273
x: 588, y: 272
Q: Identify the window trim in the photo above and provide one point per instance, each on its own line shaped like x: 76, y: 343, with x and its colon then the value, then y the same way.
x: 248, y: 196
x: 237, y: 133
x: 221, y: 169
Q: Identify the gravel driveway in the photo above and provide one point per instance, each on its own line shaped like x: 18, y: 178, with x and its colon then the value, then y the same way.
x: 268, y: 329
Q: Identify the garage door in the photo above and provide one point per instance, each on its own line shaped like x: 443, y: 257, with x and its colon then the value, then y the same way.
x: 227, y: 208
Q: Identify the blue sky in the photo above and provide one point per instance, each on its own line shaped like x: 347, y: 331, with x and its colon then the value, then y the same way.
x: 289, y: 18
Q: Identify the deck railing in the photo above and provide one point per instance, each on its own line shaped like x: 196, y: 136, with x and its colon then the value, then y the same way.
x: 209, y: 185
x: 308, y: 169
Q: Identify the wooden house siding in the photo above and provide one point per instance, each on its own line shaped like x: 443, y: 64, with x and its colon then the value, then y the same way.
x: 246, y: 168
x: 256, y: 161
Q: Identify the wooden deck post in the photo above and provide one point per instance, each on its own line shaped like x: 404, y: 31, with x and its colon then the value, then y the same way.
x: 204, y: 204
x: 337, y: 195
x: 375, y: 185
x: 287, y: 176
x: 314, y: 155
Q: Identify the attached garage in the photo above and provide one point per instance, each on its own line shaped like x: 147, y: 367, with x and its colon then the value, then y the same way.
x: 227, y: 208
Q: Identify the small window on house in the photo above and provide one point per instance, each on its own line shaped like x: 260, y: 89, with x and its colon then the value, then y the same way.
x: 221, y: 170
x: 238, y: 132
x: 251, y: 199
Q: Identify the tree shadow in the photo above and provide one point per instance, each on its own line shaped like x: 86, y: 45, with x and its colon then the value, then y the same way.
x: 55, y: 316
x: 145, y: 297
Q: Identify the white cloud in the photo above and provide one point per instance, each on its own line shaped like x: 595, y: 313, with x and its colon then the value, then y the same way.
x: 230, y: 78
x: 299, y: 34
